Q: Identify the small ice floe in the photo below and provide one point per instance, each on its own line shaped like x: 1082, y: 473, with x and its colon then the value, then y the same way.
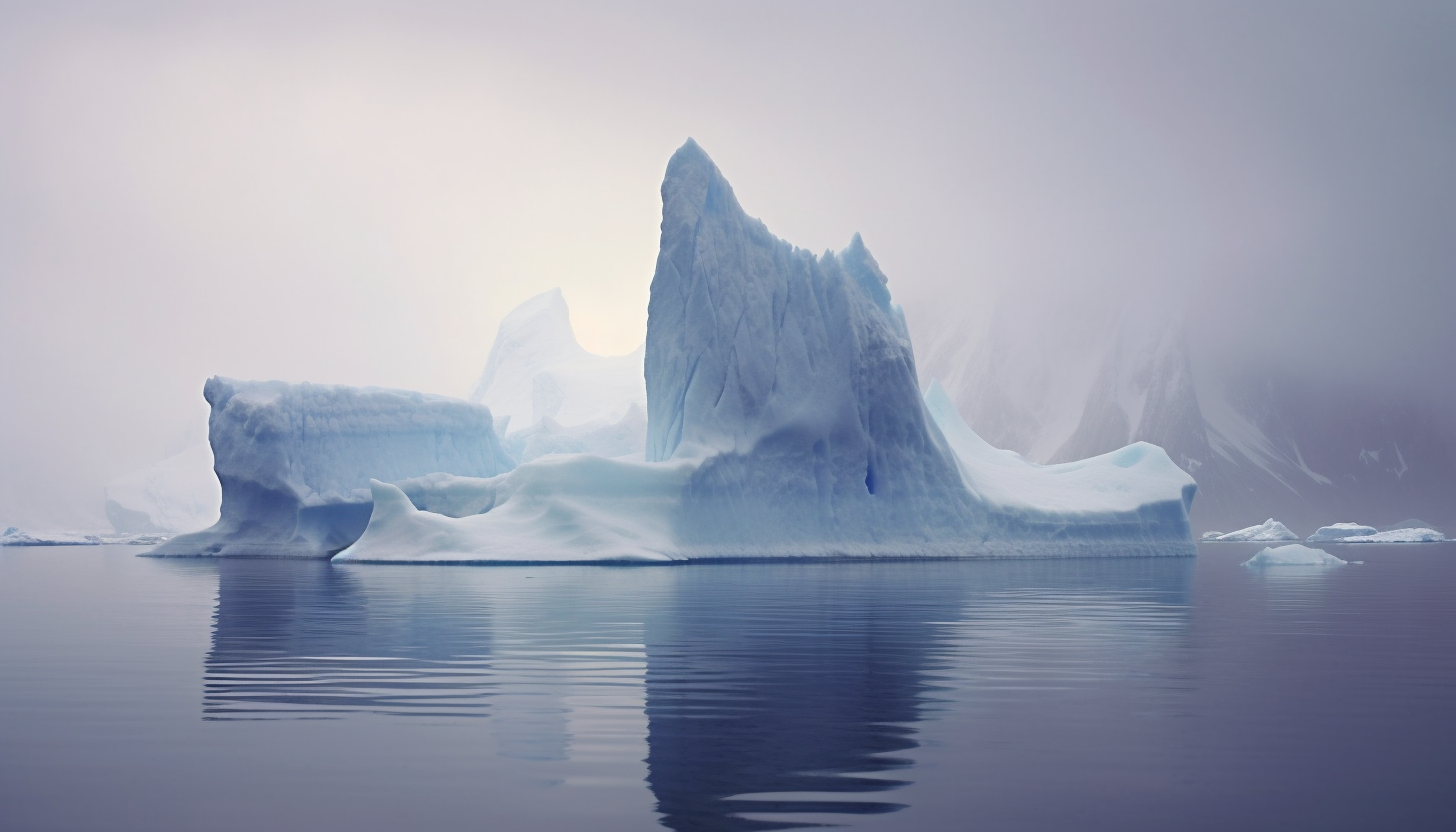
x: 16, y: 537
x: 1268, y: 531
x: 1294, y: 554
x: 1211, y: 536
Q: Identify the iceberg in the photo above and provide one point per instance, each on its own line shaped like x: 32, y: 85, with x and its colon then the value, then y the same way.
x: 1411, y: 523
x: 784, y: 419
x: 16, y: 537
x: 1397, y: 536
x: 1339, y: 531
x: 1293, y: 555
x: 537, y: 370
x: 1268, y: 531
x: 179, y: 494
x: 294, y: 461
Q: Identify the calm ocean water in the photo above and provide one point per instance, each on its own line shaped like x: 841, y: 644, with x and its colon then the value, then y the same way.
x: 1127, y: 694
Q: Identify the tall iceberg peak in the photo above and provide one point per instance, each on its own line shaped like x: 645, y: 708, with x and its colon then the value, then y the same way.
x: 793, y: 375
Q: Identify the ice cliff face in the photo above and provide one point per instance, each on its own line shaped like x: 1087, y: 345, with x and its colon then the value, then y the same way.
x: 792, y: 376
x: 294, y: 460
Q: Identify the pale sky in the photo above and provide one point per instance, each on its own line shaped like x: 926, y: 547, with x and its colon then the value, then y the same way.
x: 358, y: 192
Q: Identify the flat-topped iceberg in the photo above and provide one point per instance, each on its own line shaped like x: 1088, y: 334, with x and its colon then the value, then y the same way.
x: 784, y: 419
x: 1293, y: 555
x: 1397, y: 536
x: 1268, y: 531
x: 1339, y: 532
x: 295, y: 460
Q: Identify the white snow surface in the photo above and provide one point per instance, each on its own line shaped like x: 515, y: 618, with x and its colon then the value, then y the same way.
x: 1398, y: 536
x: 1340, y: 531
x: 537, y: 370
x: 295, y: 460
x: 1268, y: 531
x: 784, y: 420
x: 179, y: 494
x: 1293, y: 555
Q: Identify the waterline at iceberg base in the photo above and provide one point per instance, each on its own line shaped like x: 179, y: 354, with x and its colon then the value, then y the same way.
x: 784, y: 419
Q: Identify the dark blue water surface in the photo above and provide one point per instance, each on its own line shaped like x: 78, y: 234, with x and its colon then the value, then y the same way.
x: 1127, y: 694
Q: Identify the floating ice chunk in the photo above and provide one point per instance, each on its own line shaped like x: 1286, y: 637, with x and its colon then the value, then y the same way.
x: 16, y: 537
x: 1293, y: 555
x: 295, y: 460
x: 1398, y: 536
x: 1339, y: 531
x: 1211, y: 535
x: 1268, y: 531
x: 179, y: 494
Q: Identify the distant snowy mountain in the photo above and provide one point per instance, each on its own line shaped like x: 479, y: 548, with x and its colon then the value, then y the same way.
x: 537, y: 370
x: 1060, y: 384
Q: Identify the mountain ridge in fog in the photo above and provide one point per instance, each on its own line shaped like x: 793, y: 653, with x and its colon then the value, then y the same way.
x: 1061, y: 380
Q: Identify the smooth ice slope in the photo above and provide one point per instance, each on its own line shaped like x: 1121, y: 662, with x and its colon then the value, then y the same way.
x: 1293, y: 555
x: 558, y: 508
x: 179, y: 494
x: 1268, y: 531
x: 1340, y: 531
x: 295, y: 460
x: 784, y: 420
x: 537, y: 370
x: 1133, y: 493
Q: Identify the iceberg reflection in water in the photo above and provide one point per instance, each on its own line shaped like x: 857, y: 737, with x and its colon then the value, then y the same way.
x: 763, y: 696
